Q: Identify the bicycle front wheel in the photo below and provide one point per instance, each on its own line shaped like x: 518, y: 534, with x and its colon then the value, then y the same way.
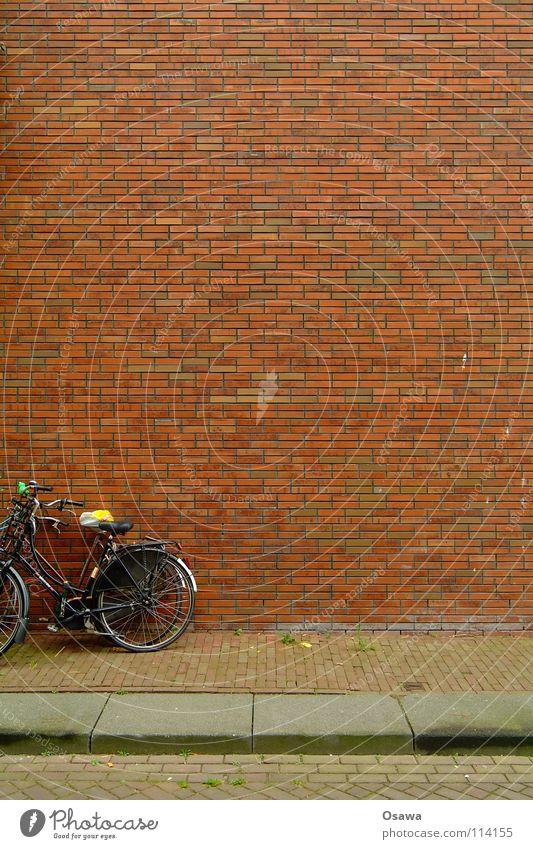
x: 150, y: 616
x: 12, y: 608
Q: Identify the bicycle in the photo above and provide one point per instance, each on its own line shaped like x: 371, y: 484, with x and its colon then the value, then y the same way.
x: 139, y: 596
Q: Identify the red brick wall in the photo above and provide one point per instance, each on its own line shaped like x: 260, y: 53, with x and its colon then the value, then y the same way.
x: 267, y: 271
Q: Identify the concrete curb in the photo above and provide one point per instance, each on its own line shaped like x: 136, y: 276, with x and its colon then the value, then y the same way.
x: 157, y: 722
x: 51, y: 723
x: 497, y: 723
x: 362, y: 724
x: 215, y: 723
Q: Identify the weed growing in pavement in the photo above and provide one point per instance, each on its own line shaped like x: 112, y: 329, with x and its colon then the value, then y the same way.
x: 361, y: 643
x: 123, y: 753
x: 212, y: 782
x: 185, y: 754
x: 288, y: 640
x: 236, y: 782
x: 121, y: 692
x: 298, y: 782
x: 238, y: 632
x: 183, y: 784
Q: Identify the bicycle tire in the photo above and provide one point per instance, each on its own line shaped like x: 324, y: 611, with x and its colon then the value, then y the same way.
x: 13, y: 608
x: 131, y: 630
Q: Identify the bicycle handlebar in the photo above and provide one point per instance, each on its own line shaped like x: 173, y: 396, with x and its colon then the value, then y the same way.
x: 36, y: 486
x: 22, y: 490
x: 59, y: 503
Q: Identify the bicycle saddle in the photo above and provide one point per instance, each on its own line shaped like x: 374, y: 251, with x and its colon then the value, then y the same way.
x: 116, y: 528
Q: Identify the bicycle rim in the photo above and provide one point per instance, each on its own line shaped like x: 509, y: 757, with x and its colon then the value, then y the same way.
x: 11, y: 610
x: 139, y: 626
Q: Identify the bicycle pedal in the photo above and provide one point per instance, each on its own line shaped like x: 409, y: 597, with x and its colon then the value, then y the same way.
x: 54, y: 629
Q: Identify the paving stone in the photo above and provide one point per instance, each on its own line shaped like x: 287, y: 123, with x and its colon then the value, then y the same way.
x: 327, y: 778
x: 523, y: 767
x: 343, y: 768
x: 330, y: 724
x: 167, y: 723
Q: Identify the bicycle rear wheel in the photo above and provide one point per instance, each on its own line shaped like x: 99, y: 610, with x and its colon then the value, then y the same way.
x: 12, y: 608
x: 151, y: 615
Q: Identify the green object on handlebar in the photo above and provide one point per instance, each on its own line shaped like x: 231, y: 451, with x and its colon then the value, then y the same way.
x: 22, y: 488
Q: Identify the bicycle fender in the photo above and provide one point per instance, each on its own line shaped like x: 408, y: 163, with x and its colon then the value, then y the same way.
x: 188, y: 571
x: 105, y: 579
x: 22, y: 630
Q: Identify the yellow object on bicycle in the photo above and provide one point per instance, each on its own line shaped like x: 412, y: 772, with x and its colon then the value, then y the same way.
x: 92, y: 520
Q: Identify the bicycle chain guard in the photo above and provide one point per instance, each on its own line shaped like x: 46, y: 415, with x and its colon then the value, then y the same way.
x: 70, y: 614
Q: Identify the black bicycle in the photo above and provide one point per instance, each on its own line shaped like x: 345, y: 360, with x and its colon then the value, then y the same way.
x: 139, y: 596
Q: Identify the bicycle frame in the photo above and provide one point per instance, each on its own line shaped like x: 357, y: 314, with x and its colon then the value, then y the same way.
x: 41, y: 574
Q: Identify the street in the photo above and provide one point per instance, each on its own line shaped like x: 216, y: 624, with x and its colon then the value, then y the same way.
x: 190, y: 776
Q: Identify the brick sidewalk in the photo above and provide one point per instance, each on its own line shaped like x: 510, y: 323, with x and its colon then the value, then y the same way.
x: 261, y: 662
x: 266, y: 777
